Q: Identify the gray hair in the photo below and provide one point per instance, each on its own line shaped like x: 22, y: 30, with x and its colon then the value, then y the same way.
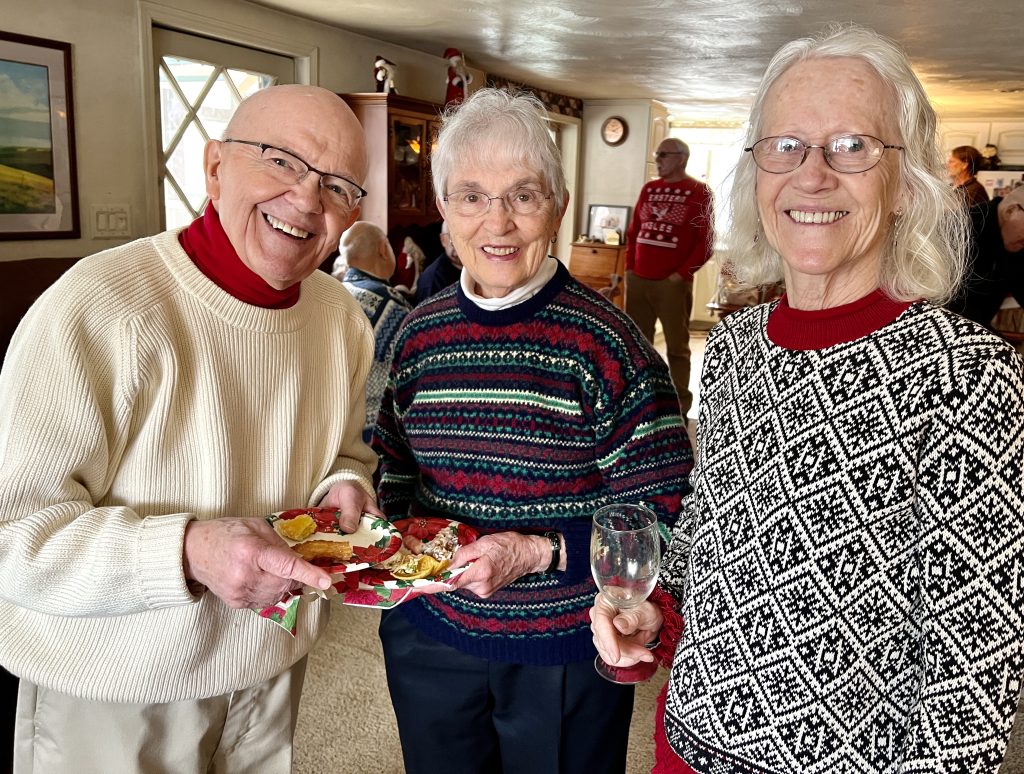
x: 680, y: 146
x: 502, y: 125
x: 925, y: 253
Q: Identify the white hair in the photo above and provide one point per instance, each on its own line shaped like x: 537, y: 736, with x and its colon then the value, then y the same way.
x: 926, y: 249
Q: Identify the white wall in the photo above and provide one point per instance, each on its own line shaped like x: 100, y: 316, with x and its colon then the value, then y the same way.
x: 613, y: 174
x: 106, y: 77
x: 115, y: 123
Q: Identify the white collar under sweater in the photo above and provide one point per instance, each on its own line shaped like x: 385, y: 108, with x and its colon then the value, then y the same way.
x: 515, y: 296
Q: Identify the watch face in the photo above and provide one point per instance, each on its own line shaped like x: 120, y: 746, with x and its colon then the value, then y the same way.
x: 613, y: 131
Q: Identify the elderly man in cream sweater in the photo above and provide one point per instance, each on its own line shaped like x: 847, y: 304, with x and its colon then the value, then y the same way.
x: 159, y: 401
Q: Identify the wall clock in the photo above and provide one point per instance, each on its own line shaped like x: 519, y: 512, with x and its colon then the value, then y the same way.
x: 614, y: 130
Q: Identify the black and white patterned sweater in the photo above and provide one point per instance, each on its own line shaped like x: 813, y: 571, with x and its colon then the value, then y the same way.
x: 850, y: 561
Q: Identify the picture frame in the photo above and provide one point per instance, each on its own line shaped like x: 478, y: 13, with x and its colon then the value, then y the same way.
x: 38, y: 174
x: 604, y: 220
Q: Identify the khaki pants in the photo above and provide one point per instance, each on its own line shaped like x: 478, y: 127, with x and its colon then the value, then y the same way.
x: 245, y: 731
x: 671, y: 302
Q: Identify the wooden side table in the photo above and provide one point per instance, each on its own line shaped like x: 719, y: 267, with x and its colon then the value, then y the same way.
x: 596, y: 265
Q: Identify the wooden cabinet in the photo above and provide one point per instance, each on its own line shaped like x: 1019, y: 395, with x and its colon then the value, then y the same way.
x: 594, y: 264
x: 1008, y: 136
x: 400, y: 133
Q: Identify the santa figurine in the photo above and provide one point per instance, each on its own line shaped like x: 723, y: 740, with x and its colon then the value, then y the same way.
x: 458, y: 77
x: 384, y: 74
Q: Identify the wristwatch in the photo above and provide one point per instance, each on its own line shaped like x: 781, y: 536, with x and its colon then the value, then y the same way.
x: 556, y: 549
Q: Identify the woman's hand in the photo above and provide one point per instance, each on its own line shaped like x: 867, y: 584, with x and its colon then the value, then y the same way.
x: 351, y: 501
x: 620, y: 635
x: 498, y: 559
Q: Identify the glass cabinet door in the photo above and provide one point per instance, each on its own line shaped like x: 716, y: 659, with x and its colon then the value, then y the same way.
x: 408, y: 150
x: 432, y: 129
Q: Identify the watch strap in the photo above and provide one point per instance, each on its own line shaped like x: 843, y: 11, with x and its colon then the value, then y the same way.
x: 556, y: 549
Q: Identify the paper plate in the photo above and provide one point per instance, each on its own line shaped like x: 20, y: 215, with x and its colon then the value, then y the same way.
x: 374, y: 540
x: 415, y: 533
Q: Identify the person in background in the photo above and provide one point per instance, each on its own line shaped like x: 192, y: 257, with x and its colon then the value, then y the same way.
x: 669, y: 238
x: 154, y: 418
x: 962, y: 165
x: 519, y: 402
x: 444, y: 271
x: 364, y: 263
x: 842, y: 584
x: 995, y: 258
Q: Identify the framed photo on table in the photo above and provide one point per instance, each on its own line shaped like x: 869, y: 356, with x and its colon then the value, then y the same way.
x: 38, y: 181
x: 604, y: 220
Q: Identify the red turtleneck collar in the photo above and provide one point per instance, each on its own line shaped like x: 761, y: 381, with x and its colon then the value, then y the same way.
x: 819, y: 328
x: 211, y: 251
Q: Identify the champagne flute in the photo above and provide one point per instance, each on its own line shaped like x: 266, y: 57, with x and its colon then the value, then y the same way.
x: 625, y: 556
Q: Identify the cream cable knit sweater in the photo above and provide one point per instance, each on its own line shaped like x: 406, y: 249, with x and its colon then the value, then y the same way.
x: 136, y: 396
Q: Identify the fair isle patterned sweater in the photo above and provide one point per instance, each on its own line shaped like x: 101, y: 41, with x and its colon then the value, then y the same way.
x: 527, y: 419
x: 850, y: 560
x: 385, y: 309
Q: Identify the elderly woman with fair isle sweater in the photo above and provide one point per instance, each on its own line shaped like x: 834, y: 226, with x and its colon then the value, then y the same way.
x: 519, y: 402
x: 844, y: 584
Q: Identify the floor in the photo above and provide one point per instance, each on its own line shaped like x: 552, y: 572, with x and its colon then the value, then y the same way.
x: 698, y: 338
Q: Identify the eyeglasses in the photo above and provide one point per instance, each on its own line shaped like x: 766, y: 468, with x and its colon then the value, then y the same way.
x: 339, y: 192
x: 472, y: 204
x: 848, y: 154
x: 663, y: 154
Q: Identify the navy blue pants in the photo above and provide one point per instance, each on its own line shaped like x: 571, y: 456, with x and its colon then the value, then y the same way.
x: 465, y: 715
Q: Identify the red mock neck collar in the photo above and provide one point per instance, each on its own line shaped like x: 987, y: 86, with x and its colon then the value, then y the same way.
x: 213, y: 254
x: 819, y: 328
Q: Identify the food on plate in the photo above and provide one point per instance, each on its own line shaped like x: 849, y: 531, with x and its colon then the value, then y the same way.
x: 442, y: 546
x: 299, y: 528
x: 416, y: 566
x: 417, y: 559
x: 335, y: 550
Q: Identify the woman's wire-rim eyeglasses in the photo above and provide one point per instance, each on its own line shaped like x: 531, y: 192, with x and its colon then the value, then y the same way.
x: 848, y: 153
x: 521, y: 201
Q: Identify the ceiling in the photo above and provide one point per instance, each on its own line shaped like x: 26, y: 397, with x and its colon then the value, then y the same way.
x: 703, y: 58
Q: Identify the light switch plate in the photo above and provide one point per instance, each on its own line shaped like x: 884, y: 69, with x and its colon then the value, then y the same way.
x: 111, y: 221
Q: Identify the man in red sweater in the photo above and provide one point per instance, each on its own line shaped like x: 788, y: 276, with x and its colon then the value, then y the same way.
x: 670, y: 238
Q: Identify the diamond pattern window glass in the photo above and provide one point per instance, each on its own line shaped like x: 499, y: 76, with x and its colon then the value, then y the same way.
x: 201, y: 82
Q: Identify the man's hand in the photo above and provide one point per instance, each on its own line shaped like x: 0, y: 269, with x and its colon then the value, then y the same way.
x: 498, y: 559
x: 620, y: 635
x: 245, y: 562
x: 352, y: 501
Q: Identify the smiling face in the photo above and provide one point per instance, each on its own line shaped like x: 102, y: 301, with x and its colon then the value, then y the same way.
x: 284, y: 232
x: 829, y: 227
x: 500, y: 249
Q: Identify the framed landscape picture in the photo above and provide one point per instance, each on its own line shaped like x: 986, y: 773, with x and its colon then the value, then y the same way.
x: 38, y: 183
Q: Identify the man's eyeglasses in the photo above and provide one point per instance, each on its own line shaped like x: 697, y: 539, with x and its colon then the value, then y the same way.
x: 663, y: 154
x: 849, y: 153
x: 338, y: 191
x: 521, y: 201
